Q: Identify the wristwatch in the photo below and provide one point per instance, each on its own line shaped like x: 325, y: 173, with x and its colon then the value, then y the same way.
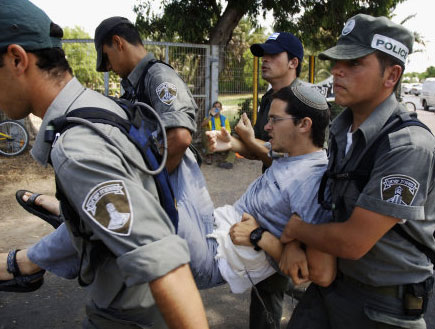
x: 255, y: 236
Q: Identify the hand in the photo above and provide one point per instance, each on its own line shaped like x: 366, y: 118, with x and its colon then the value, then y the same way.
x: 294, y: 263
x: 244, y: 129
x: 286, y: 235
x: 240, y: 232
x: 218, y: 141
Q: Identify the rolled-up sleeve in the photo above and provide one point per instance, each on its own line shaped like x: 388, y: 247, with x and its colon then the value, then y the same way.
x: 147, y: 263
x: 178, y: 109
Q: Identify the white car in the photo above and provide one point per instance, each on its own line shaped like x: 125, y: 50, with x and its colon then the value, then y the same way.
x: 427, y: 96
x: 415, y: 89
x: 406, y: 88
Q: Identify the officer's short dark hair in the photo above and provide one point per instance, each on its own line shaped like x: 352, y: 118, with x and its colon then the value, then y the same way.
x: 295, y: 107
x: 386, y: 60
x: 125, y: 31
x: 51, y: 60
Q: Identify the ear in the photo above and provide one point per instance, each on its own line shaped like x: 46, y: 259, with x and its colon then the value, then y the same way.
x: 305, y: 124
x: 18, y: 58
x: 118, y: 42
x: 293, y: 63
x: 392, y: 75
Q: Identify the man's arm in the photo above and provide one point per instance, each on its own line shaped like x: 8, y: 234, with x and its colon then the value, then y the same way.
x: 253, y: 148
x: 351, y: 239
x: 179, y: 140
x: 178, y: 299
x: 301, y: 266
x: 240, y: 235
x: 220, y: 141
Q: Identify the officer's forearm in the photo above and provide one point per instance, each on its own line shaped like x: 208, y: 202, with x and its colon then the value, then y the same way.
x: 179, y: 140
x: 350, y: 239
x: 178, y: 300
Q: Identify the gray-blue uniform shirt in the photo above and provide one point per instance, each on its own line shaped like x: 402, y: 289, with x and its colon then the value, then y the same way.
x: 166, y: 92
x: 401, y: 185
x: 118, y: 204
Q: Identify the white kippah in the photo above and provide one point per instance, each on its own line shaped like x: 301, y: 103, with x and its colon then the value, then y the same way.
x: 310, y: 96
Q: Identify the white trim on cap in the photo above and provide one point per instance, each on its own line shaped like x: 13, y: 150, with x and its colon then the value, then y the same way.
x: 273, y: 36
x: 390, y: 46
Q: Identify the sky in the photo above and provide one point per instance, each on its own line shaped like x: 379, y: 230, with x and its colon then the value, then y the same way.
x: 89, y: 13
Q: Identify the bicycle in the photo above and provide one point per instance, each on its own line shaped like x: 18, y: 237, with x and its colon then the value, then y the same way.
x: 14, y: 138
x: 411, y: 106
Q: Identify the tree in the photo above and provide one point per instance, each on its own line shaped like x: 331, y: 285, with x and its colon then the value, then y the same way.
x: 82, y: 57
x: 317, y: 22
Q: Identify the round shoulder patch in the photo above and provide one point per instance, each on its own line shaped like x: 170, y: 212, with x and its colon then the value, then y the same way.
x: 167, y: 92
x: 108, y: 204
x: 348, y: 27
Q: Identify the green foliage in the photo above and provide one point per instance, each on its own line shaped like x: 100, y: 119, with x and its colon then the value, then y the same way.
x: 183, y: 21
x: 318, y: 23
x: 322, y: 21
x: 82, y: 57
x: 429, y: 73
x: 416, y: 77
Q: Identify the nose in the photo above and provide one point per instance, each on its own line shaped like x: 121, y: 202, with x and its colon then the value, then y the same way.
x: 268, y: 126
x: 337, y: 68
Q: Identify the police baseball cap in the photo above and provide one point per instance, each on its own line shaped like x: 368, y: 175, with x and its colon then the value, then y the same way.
x: 363, y: 35
x: 277, y: 43
x: 100, y: 33
x: 24, y: 24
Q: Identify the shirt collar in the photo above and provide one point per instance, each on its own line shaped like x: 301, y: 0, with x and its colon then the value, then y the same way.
x: 372, y: 125
x: 134, y: 76
x: 60, y: 106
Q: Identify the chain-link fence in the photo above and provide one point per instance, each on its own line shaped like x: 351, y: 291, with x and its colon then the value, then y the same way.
x: 236, y: 79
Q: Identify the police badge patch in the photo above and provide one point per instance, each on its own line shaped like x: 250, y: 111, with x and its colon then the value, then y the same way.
x: 399, y: 189
x: 108, y: 204
x: 167, y: 92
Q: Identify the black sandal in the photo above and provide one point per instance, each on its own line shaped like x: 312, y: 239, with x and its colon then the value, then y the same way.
x: 20, y: 283
x: 39, y: 211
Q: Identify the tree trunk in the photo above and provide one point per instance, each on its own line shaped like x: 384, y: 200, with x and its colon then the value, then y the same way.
x: 223, y: 30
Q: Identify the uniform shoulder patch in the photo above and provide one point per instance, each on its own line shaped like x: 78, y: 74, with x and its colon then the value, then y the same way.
x: 108, y: 204
x: 167, y: 92
x: 399, y: 189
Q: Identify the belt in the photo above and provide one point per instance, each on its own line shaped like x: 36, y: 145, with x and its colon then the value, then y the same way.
x: 396, y: 291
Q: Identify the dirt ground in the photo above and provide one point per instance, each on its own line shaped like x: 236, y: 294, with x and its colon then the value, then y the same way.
x: 18, y: 228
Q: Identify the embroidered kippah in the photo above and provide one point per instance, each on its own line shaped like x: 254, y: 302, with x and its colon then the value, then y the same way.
x: 310, y: 96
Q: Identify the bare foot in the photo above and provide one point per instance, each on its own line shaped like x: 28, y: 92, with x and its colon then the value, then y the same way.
x: 24, y: 264
x: 48, y: 202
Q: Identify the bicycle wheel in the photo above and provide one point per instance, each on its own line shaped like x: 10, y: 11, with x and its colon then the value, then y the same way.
x: 13, y: 138
x: 410, y: 106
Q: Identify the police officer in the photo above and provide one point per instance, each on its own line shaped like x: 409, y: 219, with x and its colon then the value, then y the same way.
x: 384, y: 276
x: 130, y: 287
x: 120, y: 49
